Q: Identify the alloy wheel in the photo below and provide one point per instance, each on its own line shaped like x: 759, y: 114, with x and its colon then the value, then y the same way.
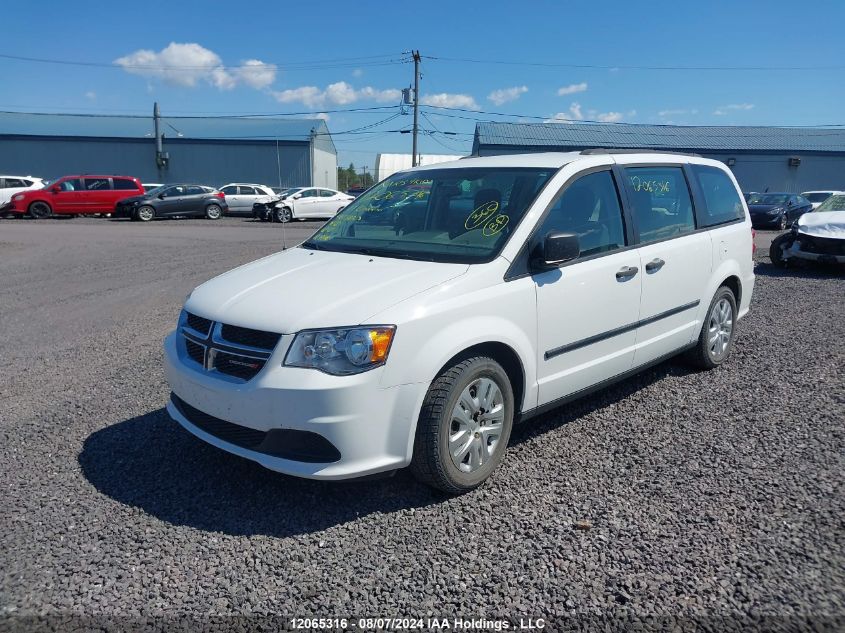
x: 720, y: 328
x: 477, y: 425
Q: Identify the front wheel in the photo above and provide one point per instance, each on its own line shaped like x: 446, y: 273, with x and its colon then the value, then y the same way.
x: 776, y: 249
x: 715, y: 341
x: 213, y: 212
x: 40, y: 210
x: 784, y: 222
x: 464, y: 426
x: 283, y: 215
x: 145, y: 213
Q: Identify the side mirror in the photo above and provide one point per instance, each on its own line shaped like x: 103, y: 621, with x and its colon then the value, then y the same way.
x: 161, y: 196
x: 556, y: 249
x: 55, y: 189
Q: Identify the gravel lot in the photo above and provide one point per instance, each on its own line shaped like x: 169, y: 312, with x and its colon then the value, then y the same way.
x: 715, y: 497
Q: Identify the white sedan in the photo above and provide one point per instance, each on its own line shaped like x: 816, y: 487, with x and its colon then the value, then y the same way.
x: 10, y: 185
x: 310, y: 202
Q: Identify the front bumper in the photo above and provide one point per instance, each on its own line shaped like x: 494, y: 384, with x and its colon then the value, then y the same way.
x: 817, y: 249
x: 370, y: 426
x: 123, y: 211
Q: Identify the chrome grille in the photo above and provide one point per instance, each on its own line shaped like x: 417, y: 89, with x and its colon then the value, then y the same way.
x: 226, y: 349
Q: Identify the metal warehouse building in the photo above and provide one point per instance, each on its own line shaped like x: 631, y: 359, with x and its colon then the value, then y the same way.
x: 762, y: 158
x: 212, y: 151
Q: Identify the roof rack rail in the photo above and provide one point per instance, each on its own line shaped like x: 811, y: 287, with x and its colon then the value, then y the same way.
x: 608, y: 150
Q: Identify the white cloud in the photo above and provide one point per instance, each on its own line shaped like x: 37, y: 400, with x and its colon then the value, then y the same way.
x: 576, y: 113
x: 339, y: 93
x: 609, y: 117
x: 189, y: 64
x: 503, y: 95
x: 449, y: 100
x: 571, y: 89
x: 322, y: 115
x: 725, y: 109
x: 91, y: 95
x: 256, y: 74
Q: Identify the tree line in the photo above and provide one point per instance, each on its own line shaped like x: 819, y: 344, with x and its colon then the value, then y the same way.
x: 349, y: 177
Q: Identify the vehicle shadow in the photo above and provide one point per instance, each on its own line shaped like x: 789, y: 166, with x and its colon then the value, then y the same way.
x: 802, y: 269
x: 152, y: 463
x: 601, y: 399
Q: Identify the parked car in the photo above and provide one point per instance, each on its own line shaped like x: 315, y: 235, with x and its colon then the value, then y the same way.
x: 10, y: 185
x: 173, y: 200
x: 818, y: 236
x: 747, y: 195
x: 241, y: 197
x: 76, y: 195
x: 310, y: 202
x: 356, y: 191
x: 817, y: 197
x: 776, y: 210
x: 266, y: 211
x: 519, y: 283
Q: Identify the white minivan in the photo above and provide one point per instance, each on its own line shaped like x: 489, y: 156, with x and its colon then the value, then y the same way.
x: 450, y: 301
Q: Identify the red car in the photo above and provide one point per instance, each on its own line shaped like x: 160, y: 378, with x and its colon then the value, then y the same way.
x: 76, y: 195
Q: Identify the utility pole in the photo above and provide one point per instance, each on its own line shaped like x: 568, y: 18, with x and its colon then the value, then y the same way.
x: 162, y: 157
x: 414, y: 157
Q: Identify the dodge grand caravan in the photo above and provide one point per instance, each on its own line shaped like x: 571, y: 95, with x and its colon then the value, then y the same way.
x: 449, y: 301
x: 76, y: 195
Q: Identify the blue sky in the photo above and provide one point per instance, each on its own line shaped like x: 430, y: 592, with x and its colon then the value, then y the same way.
x: 327, y: 57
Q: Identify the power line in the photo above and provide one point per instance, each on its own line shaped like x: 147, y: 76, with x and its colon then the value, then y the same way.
x: 552, y: 120
x: 349, y: 62
x: 255, y: 115
x: 627, y: 66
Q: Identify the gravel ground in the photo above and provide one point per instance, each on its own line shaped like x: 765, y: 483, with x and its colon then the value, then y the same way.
x: 709, y: 497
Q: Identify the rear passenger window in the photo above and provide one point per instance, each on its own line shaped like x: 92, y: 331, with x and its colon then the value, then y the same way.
x: 14, y: 182
x: 661, y: 201
x: 721, y: 199
x: 246, y: 191
x: 590, y: 208
x: 124, y: 184
x: 97, y: 184
x: 195, y: 191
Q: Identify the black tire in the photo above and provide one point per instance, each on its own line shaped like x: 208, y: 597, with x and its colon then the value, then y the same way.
x: 784, y: 222
x: 213, y: 212
x: 432, y: 463
x: 40, y: 210
x: 776, y: 249
x: 282, y: 215
x: 145, y: 213
x: 701, y: 356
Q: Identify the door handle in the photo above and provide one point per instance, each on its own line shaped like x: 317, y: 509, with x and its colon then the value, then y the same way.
x: 626, y: 272
x: 654, y: 265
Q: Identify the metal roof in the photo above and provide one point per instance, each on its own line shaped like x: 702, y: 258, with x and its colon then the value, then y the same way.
x: 109, y: 126
x: 565, y: 136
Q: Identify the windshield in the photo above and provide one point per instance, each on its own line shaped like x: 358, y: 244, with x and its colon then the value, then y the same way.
x: 289, y: 192
x: 819, y: 196
x: 768, y: 198
x: 447, y: 215
x: 833, y: 203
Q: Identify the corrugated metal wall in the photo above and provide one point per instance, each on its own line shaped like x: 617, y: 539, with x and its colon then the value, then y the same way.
x: 754, y: 172
x: 212, y: 163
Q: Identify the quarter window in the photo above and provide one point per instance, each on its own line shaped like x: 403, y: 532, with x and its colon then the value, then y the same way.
x: 590, y: 208
x: 661, y: 202
x: 721, y: 199
x: 124, y: 184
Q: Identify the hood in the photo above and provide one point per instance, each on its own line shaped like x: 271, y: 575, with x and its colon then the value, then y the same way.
x: 763, y: 208
x: 300, y: 289
x: 132, y: 199
x: 824, y: 224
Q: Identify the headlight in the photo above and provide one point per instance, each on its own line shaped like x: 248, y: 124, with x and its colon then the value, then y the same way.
x: 776, y: 210
x: 18, y: 197
x: 341, y: 351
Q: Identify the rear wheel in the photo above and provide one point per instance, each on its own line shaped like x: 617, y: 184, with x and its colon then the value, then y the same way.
x: 40, y: 210
x: 213, y: 212
x: 145, y: 213
x: 716, y: 338
x: 464, y: 426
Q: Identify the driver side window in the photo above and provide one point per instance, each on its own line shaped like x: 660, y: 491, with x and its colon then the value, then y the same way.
x: 589, y: 208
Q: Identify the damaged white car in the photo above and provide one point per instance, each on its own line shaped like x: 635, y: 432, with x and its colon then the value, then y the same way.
x: 817, y: 236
